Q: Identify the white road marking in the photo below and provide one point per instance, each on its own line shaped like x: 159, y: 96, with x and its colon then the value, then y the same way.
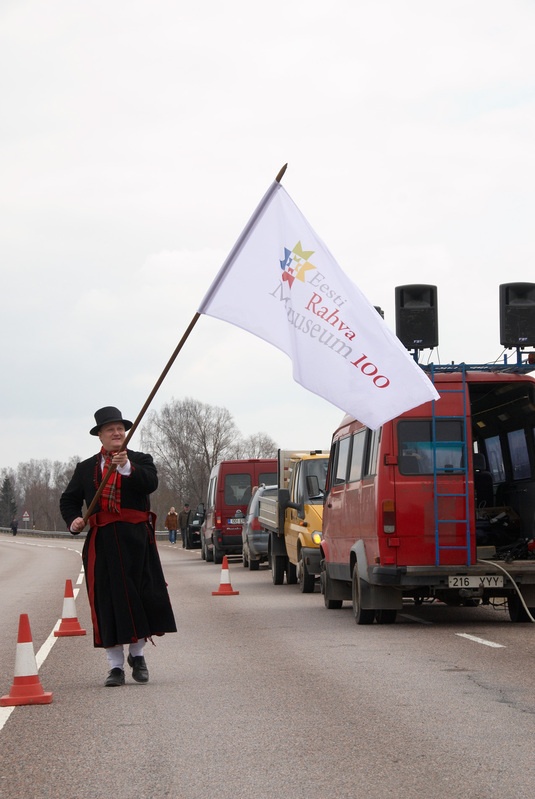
x: 43, y: 653
x: 480, y: 640
x: 5, y: 713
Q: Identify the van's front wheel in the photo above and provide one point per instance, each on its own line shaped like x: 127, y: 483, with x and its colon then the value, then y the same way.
x: 307, y: 581
x: 325, y: 582
x: 362, y: 615
x: 291, y: 572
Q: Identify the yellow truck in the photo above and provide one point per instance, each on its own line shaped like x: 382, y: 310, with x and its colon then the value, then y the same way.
x: 294, y: 518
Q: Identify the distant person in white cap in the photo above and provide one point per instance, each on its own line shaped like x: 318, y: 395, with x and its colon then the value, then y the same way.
x: 125, y: 583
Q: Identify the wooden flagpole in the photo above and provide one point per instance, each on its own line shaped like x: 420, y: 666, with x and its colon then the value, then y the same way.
x: 141, y: 414
x: 151, y: 396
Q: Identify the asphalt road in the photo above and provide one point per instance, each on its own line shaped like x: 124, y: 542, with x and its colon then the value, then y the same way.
x: 264, y: 695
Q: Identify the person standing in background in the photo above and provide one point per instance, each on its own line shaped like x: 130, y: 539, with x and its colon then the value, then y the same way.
x: 171, y: 525
x: 183, y: 521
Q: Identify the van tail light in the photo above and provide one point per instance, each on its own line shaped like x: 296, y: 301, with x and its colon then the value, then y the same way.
x: 389, y: 516
x: 218, y: 519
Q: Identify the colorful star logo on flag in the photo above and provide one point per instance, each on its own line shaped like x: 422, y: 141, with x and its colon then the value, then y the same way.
x: 295, y: 264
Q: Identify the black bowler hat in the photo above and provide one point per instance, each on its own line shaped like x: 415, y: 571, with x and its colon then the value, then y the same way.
x: 107, y: 416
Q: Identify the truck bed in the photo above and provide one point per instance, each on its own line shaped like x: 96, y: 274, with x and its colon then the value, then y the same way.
x: 268, y: 513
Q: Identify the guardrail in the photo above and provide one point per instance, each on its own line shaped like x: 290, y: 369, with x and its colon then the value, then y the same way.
x: 160, y: 534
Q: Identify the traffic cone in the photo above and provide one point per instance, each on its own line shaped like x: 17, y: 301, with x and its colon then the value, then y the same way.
x: 69, y: 620
x: 26, y: 688
x: 225, y: 588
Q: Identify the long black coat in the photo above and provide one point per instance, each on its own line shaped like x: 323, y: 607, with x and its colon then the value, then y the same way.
x: 125, y: 583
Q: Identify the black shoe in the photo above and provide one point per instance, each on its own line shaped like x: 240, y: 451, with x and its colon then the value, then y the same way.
x: 115, y: 677
x: 140, y: 672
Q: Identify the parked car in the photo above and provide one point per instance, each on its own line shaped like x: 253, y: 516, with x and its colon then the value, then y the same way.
x: 193, y: 534
x: 229, y: 492
x: 255, y: 539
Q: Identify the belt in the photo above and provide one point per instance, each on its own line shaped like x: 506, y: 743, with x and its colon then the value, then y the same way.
x: 102, y: 518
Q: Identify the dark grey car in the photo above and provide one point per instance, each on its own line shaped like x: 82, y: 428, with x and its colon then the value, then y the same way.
x: 255, y: 540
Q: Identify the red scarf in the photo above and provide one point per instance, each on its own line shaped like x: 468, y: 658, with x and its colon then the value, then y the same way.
x: 110, y: 499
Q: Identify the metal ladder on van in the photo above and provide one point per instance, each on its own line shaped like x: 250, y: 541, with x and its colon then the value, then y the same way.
x: 440, y: 496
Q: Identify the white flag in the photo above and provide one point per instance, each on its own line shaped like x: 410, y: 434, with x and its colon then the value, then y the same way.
x: 281, y: 283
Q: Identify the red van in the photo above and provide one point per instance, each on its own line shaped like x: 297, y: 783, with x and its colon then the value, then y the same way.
x: 229, y: 491
x: 438, y: 503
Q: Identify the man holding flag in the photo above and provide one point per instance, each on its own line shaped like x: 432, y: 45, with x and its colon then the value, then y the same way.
x: 126, y: 587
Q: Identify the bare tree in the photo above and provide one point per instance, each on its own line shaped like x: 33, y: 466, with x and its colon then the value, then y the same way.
x: 61, y: 474
x: 34, y: 482
x: 187, y: 438
x: 259, y: 445
x: 39, y: 486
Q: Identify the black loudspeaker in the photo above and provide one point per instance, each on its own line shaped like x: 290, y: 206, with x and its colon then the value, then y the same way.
x: 417, y: 316
x: 517, y: 314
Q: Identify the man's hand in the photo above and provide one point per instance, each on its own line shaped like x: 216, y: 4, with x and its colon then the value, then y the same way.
x: 77, y: 525
x: 120, y: 458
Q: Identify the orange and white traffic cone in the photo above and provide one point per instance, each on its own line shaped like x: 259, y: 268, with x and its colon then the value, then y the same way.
x: 26, y: 688
x: 69, y: 620
x: 225, y: 588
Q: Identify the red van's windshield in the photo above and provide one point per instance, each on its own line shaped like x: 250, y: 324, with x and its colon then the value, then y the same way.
x: 238, y: 489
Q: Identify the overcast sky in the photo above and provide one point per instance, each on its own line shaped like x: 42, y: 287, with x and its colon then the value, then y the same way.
x: 137, y: 138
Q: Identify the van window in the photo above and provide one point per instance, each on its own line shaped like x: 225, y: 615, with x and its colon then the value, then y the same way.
x: 357, y: 456
x: 319, y: 468
x: 518, y: 447
x: 340, y: 474
x: 237, y: 489
x: 211, y: 493
x: 493, y: 446
x: 373, y: 449
x: 330, y: 467
x: 313, y: 468
x: 415, y: 446
x: 267, y: 478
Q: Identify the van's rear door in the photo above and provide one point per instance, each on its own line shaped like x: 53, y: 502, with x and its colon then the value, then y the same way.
x: 432, y: 492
